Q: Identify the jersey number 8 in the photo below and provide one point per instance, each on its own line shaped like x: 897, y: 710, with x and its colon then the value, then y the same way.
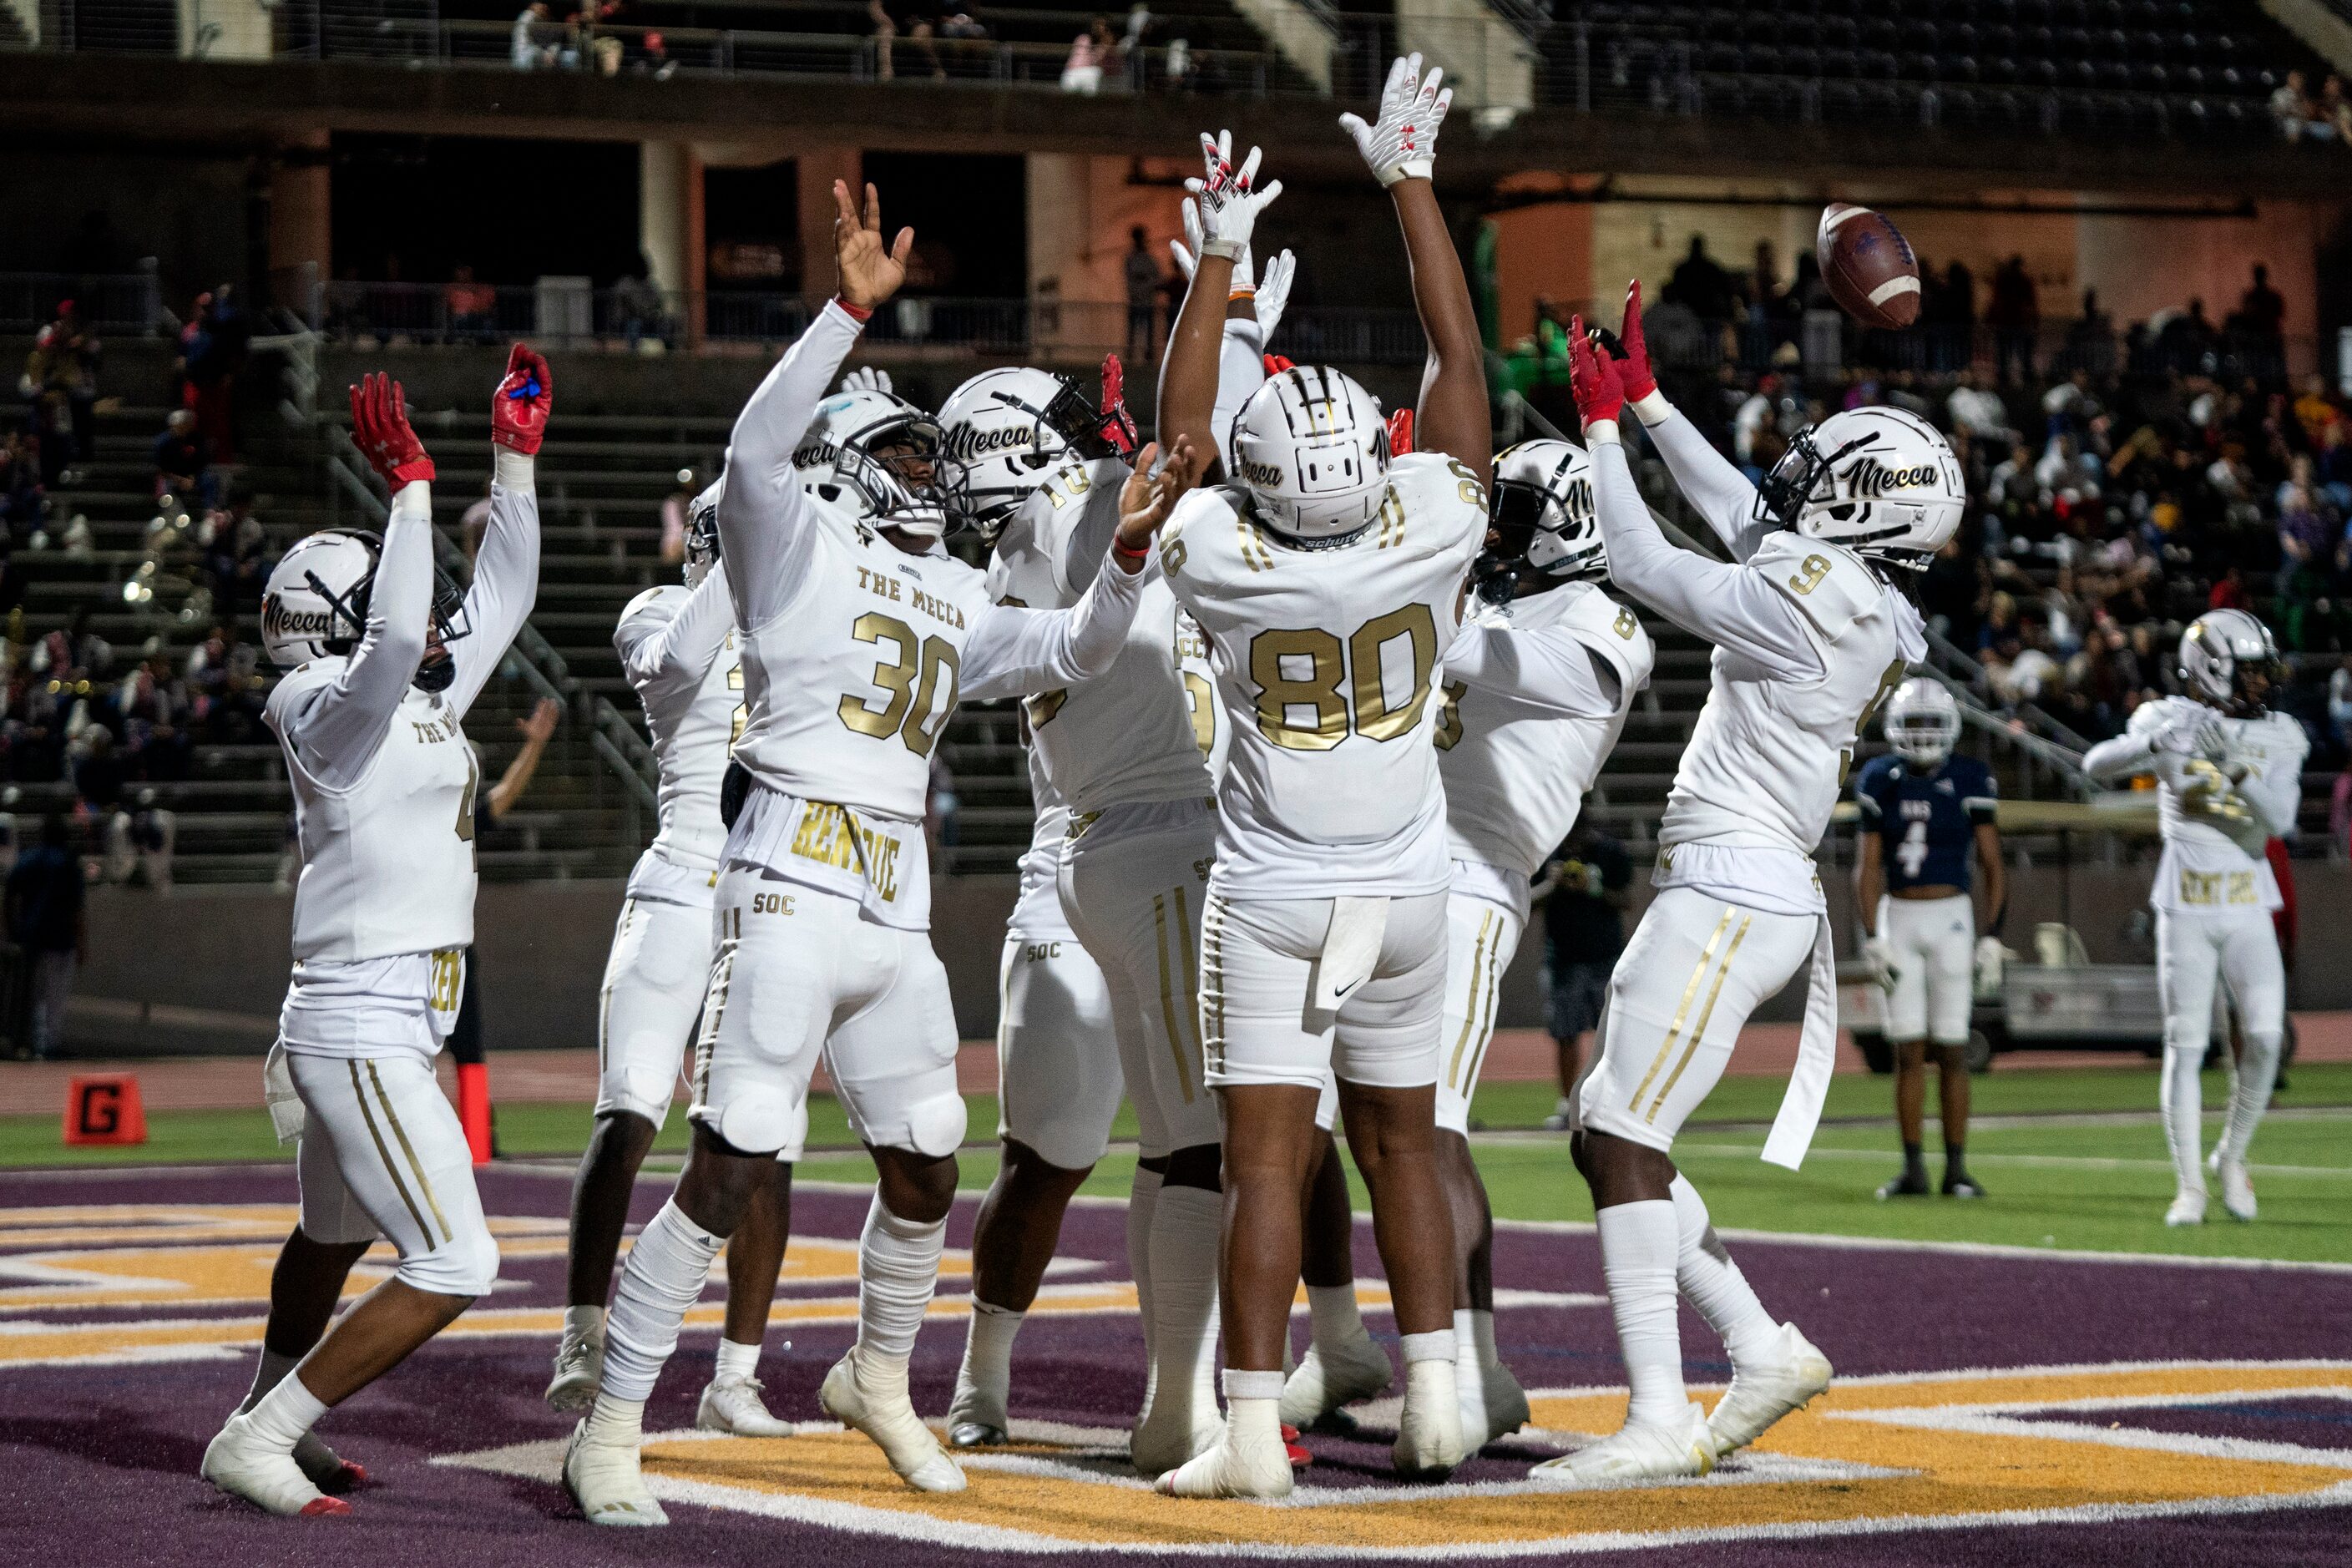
x: 1364, y: 707
x: 920, y: 683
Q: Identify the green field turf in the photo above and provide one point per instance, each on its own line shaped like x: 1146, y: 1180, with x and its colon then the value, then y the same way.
x: 2091, y: 1175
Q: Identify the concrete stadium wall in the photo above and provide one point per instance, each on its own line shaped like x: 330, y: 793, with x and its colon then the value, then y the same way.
x: 203, y: 970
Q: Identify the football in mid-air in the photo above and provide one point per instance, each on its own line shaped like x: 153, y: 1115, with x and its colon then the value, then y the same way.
x: 1868, y: 266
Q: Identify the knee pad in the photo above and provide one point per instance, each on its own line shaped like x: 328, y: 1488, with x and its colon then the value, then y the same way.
x: 936, y: 1126
x: 641, y: 1091
x: 465, y: 1265
x: 763, y: 1120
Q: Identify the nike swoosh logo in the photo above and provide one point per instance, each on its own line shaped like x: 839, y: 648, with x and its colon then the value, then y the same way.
x: 1343, y: 990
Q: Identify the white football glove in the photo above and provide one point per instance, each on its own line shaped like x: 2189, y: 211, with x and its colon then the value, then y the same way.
x: 866, y: 378
x: 1990, y: 959
x: 1273, y: 291
x: 1879, y: 961
x: 1402, y: 143
x: 1272, y: 296
x: 1230, y: 199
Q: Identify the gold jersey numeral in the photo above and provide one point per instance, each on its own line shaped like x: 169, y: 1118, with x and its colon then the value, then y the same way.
x: 919, y: 685
x: 1366, y: 707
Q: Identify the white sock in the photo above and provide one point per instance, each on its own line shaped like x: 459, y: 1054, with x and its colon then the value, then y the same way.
x: 588, y: 1322
x: 735, y: 1361
x: 1474, y: 1338
x: 2181, y: 1097
x: 897, y: 1269
x: 1333, y: 1317
x: 1637, y: 1260
x: 1438, y: 1344
x: 1715, y: 1285
x: 1142, y: 1202
x: 663, y: 1276
x: 988, y: 1354
x: 1252, y: 1408
x: 2250, y: 1095
x: 622, y: 1420
x: 285, y: 1413
x: 1185, y: 1227
x: 269, y: 1375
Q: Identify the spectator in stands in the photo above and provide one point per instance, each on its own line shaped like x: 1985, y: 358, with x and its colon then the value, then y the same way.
x: 1091, y: 53
x: 653, y: 58
x: 2264, y: 309
x: 1176, y: 64
x: 643, y: 309
x: 2230, y: 591
x: 917, y: 19
x: 1979, y: 410
x: 472, y: 307
x: 2339, y: 706
x: 2091, y: 340
x: 2014, y: 315
x: 213, y: 356
x: 2334, y: 108
x: 45, y: 914
x: 183, y: 460
x: 22, y: 498
x: 1699, y: 284
x: 1142, y: 276
x: 2291, y: 107
x: 69, y: 352
x: 530, y: 48
x: 236, y: 559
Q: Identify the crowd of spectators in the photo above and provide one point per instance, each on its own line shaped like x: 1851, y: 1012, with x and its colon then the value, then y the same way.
x: 2300, y: 117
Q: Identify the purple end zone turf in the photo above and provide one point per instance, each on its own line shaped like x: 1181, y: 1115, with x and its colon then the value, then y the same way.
x: 101, y: 1464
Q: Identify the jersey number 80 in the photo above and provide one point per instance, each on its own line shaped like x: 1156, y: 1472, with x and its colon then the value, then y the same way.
x: 1342, y: 685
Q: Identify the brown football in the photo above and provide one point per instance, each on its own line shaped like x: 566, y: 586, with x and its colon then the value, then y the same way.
x: 1868, y: 266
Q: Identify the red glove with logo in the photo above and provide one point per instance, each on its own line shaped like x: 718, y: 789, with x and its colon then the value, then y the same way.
x: 1117, y: 426
x: 1593, y: 377
x: 1400, y: 433
x: 518, y: 411
x: 380, y: 430
x: 1633, y: 363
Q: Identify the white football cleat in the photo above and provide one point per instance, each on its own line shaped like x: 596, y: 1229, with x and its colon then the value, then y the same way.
x: 1632, y: 1454
x: 241, y: 1463
x: 1492, y: 1405
x: 870, y: 1397
x: 733, y: 1405
x: 2237, y: 1187
x: 605, y: 1479
x: 327, y: 1471
x: 1330, y: 1377
x: 1174, y: 1432
x: 1231, y: 1468
x: 579, y: 1372
x: 1429, y: 1440
x: 2187, y: 1207
x: 1760, y: 1395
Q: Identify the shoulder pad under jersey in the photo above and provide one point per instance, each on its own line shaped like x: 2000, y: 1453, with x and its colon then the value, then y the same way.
x: 2149, y: 718
x: 1614, y: 632
x: 1828, y: 584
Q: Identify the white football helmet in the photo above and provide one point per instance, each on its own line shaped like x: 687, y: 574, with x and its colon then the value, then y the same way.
x: 1007, y: 431
x: 702, y: 532
x: 1313, y: 450
x: 1880, y: 481
x: 1540, y: 508
x: 2219, y: 650
x: 877, y: 457
x: 315, y: 605
x: 1923, y: 722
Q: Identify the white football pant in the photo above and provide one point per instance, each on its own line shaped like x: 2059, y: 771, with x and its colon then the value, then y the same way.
x: 1058, y: 1072
x: 653, y: 980
x: 1932, y: 943
x: 1481, y: 938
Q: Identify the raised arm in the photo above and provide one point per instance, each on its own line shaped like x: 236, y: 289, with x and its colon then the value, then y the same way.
x: 506, y: 568
x: 1453, y: 416
x: 1719, y: 492
x: 1228, y: 201
x: 764, y: 517
x: 1254, y: 308
x: 666, y: 651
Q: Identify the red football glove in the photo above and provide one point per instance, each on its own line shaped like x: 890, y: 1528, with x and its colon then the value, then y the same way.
x: 1276, y: 364
x: 1117, y: 426
x: 518, y: 409
x: 380, y: 430
x: 1593, y: 377
x: 1400, y: 433
x: 1634, y: 365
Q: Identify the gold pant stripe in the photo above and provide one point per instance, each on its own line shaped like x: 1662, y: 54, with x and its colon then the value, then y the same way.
x: 714, y: 1010
x: 384, y: 1155
x: 1682, y: 1009
x: 1699, y: 1031
x: 1168, y: 990
x: 1188, y: 956
x: 1470, y: 1002
x: 424, y: 1184
x: 1493, y: 991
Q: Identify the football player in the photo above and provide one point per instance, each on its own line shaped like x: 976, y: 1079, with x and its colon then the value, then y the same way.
x: 1924, y: 809
x: 678, y: 650
x: 860, y: 633
x: 1536, y: 691
x: 1328, y: 581
x: 1812, y: 632
x: 2228, y: 774
x: 384, y: 659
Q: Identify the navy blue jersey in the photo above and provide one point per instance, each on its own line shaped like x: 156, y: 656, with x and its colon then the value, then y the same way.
x: 1926, y: 821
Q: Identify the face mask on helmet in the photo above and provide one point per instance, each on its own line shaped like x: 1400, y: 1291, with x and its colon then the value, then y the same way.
x: 2229, y: 660
x: 1923, y: 723
x: 1878, y: 482
x: 315, y: 605
x: 878, y: 458
x: 1008, y: 431
x: 1312, y: 449
x: 1540, y: 517
x: 702, y: 532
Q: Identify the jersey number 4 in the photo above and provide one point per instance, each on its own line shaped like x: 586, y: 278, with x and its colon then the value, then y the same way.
x: 919, y: 686
x: 1307, y: 671
x: 1912, y: 853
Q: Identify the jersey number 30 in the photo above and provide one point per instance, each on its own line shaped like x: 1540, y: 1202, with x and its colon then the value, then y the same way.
x: 1312, y: 690
x: 919, y: 686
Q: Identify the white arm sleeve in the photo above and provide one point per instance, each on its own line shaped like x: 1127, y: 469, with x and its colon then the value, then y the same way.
x: 1730, y: 605
x: 505, y: 581
x: 338, y: 730
x: 1554, y: 672
x: 1015, y: 652
x: 1720, y: 493
x: 2276, y: 793
x: 665, y: 661
x: 764, y: 523
x: 1241, y: 370
x: 2121, y: 758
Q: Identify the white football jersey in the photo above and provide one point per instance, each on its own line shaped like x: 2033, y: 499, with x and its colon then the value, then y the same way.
x: 1125, y: 737
x: 1769, y: 755
x: 1326, y: 662
x: 2215, y: 861
x: 1202, y: 705
x: 387, y: 864
x: 1515, y: 771
x: 692, y: 723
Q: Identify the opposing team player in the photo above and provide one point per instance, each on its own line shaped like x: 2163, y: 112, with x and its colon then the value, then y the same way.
x: 383, y: 660
x: 1328, y: 581
x: 2228, y: 774
x: 1812, y: 633
x: 678, y: 650
x: 1537, y: 688
x: 1924, y: 809
x: 860, y: 633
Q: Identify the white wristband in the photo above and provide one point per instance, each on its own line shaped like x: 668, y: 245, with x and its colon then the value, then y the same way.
x: 1601, y: 430
x: 1653, y: 407
x: 511, y: 471
x: 1230, y: 249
